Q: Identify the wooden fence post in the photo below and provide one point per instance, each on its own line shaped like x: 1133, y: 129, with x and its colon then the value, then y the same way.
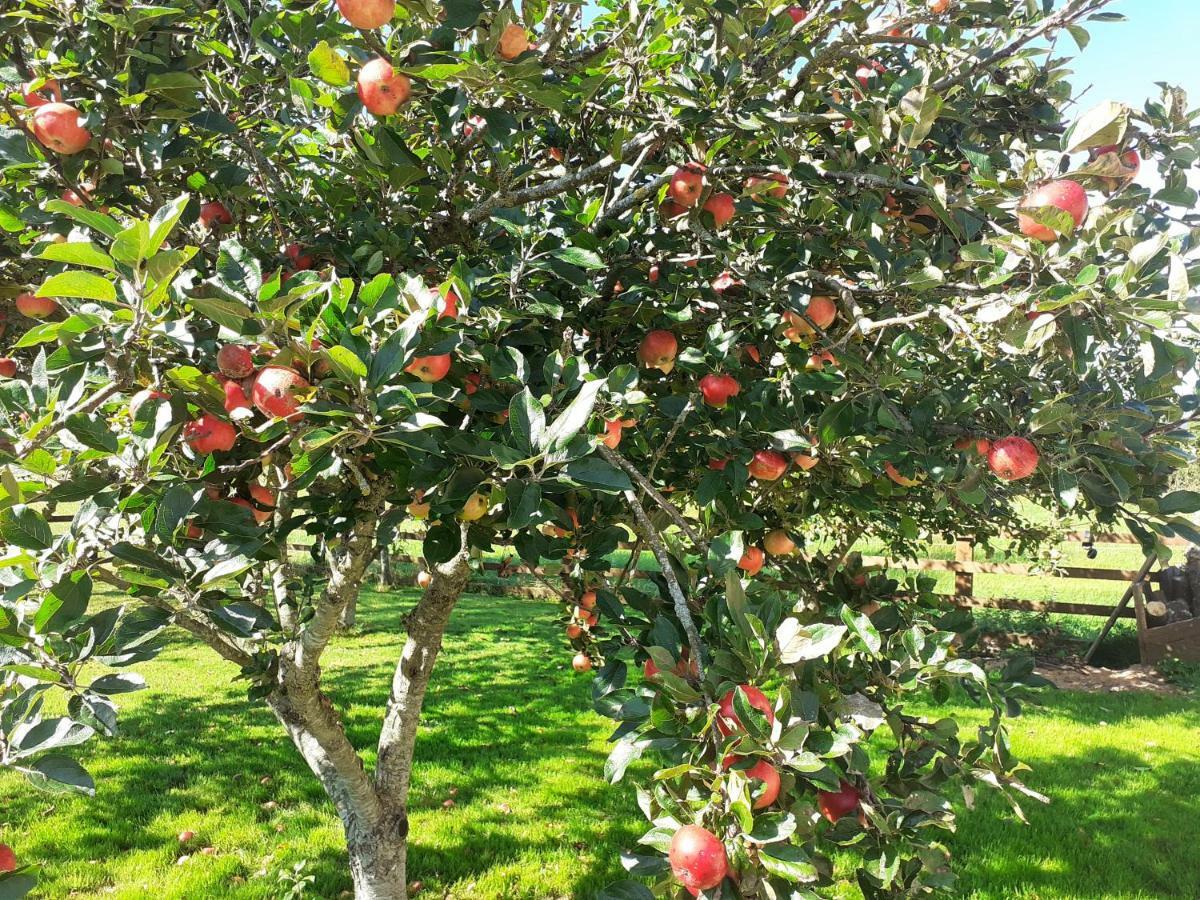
x: 964, y: 582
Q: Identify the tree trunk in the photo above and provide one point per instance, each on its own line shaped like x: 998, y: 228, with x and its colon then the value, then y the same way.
x: 426, y: 625
x: 387, y: 579
x: 349, y: 614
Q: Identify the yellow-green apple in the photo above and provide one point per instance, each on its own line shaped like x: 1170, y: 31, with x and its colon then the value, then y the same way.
x: 1064, y: 194
x: 476, y: 506
x: 1013, y: 458
x: 381, y: 88
x: 697, y: 857
x: 367, y: 13
x: 429, y: 368
x: 658, y: 350
x: 208, y: 434
x: 717, y: 389
x: 687, y: 183
x: 767, y: 465
x: 275, y: 392
x: 59, y: 127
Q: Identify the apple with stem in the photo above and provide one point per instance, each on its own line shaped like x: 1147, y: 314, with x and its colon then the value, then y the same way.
x: 687, y: 184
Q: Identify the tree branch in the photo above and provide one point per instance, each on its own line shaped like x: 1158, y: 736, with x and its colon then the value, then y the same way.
x: 644, y: 483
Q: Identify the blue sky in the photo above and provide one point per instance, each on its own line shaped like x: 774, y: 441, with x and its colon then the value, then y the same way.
x: 1159, y: 42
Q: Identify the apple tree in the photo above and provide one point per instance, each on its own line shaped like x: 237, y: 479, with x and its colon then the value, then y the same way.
x: 736, y: 285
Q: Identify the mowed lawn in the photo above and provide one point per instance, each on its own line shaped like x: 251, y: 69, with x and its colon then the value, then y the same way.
x: 509, y: 737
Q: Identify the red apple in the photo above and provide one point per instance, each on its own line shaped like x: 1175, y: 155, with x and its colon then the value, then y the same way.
x: 1063, y: 194
x: 797, y: 14
x: 264, y: 502
x: 937, y: 7
x: 671, y: 210
x: 752, y: 561
x: 235, y: 361
x: 235, y: 396
x: 902, y: 480
x: 658, y: 350
x: 725, y: 283
x: 761, y: 771
x: 70, y: 196
x: 367, y: 13
x: 587, y: 600
x: 300, y: 261
x: 779, y: 543
x: 32, y: 96
x: 1013, y: 458
x: 513, y: 42
x: 588, y: 616
x: 448, y: 304
x: 8, y: 367
x: 767, y: 465
x: 471, y: 124
x: 804, y: 461
x: 718, y: 465
x: 59, y: 127
x: 429, y: 368
x: 835, y: 804
x: 717, y: 389
x: 381, y: 88
x: 721, y: 208
x: 866, y: 73
x: 208, y: 434
x: 612, y: 433
x: 697, y: 858
x: 1130, y: 164
x: 653, y: 275
x: 581, y: 662
x: 574, y: 631
x: 687, y: 183
x: 727, y: 720
x: 819, y: 360
x: 774, y: 185
x: 274, y: 392
x: 214, y: 213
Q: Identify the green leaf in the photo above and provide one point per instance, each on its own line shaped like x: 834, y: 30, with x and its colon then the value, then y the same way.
x: 1179, y: 502
x: 574, y: 417
x: 862, y: 628
x: 163, y: 222
x: 788, y: 862
x: 65, y: 603
x: 527, y: 421
x: 82, y: 285
x: 442, y: 542
x: 594, y: 472
x: 92, y: 431
x: 57, y: 774
x: 132, y: 245
x: 577, y: 256
x: 79, y: 253
x: 173, y: 508
x: 96, y: 221
x: 328, y: 65
x: 803, y: 642
x: 23, y: 526
x: 346, y: 363
x: 462, y: 14
x: 1103, y: 124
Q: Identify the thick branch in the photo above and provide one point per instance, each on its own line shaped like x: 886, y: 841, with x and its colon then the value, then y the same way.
x: 667, y: 506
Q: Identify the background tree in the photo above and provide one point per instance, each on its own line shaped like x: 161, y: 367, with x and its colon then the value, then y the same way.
x: 728, y: 281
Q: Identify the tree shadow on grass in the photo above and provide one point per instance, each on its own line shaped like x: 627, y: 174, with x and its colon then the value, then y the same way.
x: 499, y: 707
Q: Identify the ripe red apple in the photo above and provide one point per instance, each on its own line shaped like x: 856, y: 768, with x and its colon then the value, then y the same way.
x: 779, y: 543
x: 69, y: 196
x: 448, y: 306
x: 658, y: 350
x: 718, y: 465
x: 208, y: 434
x: 32, y: 97
x: 1063, y: 194
x: 752, y: 561
x: 34, y: 307
x: 721, y: 208
x: 697, y: 858
x: 717, y: 389
x: 263, y: 497
x: 687, y: 183
x: 581, y: 662
x: 797, y: 13
x: 235, y: 361
x: 300, y: 260
x: 59, y: 126
x: 767, y: 465
x: 556, y: 153
x: 727, y: 720
x: 142, y: 397
x: 274, y: 392
x: 725, y: 283
x: 513, y: 42
x: 835, y: 804
x: 8, y: 367
x: 471, y: 124
x: 654, y: 273
x: 588, y: 616
x: 612, y: 434
x: 424, y: 579
x: 902, y: 480
x: 761, y: 771
x: 1130, y: 164
x: 214, y: 213
x: 774, y: 185
x: 937, y: 7
x: 429, y: 368
x: 587, y: 600
x: 804, y: 461
x: 866, y: 73
x: 671, y: 210
x: 819, y: 360
x: 574, y: 631
x: 8, y: 859
x: 1013, y: 458
x: 367, y: 13
x: 381, y: 88
x: 979, y: 445
x: 235, y: 396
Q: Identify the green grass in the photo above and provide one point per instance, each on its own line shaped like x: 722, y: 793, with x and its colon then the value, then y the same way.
x: 508, y: 725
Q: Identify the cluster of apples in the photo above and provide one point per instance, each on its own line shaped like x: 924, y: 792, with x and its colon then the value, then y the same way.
x: 583, y: 619
x: 380, y: 87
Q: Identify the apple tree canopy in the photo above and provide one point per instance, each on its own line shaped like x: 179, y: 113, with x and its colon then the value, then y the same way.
x: 495, y: 308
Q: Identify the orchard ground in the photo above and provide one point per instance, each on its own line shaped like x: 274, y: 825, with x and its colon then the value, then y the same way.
x: 508, y: 738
